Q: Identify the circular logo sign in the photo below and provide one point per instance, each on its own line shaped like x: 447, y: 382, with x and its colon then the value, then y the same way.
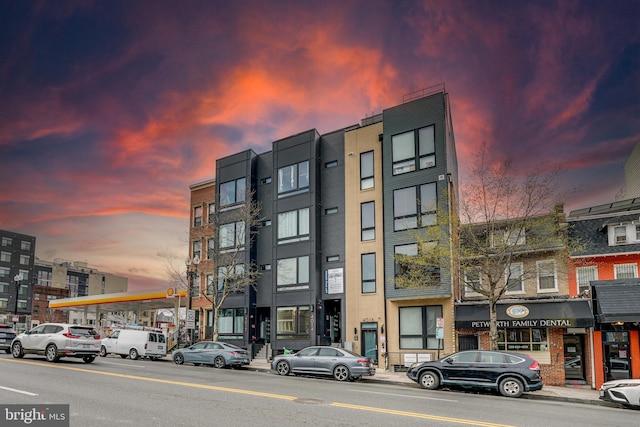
x: 517, y: 311
x: 170, y: 292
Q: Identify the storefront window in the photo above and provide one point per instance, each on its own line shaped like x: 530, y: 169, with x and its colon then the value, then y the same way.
x: 532, y: 339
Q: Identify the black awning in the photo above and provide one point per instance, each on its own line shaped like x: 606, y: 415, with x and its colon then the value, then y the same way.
x: 616, y: 302
x: 560, y: 314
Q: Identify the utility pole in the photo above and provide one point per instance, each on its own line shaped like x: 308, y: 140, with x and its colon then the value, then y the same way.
x: 192, y: 275
x: 17, y: 279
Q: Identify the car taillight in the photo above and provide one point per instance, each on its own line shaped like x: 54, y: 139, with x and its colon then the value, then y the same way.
x: 363, y: 362
x: 97, y: 337
x: 234, y: 353
x: 535, y: 366
x: 70, y: 335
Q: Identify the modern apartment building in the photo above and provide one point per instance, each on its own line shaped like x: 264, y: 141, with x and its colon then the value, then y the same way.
x: 17, y: 255
x: 337, y: 208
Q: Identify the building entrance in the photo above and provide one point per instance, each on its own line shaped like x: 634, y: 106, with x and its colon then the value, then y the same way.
x: 616, y: 355
x: 573, y: 357
x: 369, y: 344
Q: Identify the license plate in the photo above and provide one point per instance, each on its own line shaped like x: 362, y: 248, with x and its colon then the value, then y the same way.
x: 161, y: 347
x: 86, y: 345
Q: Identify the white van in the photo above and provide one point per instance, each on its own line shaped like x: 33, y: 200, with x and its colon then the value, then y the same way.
x: 135, y: 343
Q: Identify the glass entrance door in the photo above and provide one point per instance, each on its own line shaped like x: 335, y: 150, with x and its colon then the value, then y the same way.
x: 370, y: 341
x: 573, y: 357
x: 616, y: 355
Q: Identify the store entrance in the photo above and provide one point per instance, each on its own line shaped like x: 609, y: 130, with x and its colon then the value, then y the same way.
x: 616, y: 355
x: 573, y: 357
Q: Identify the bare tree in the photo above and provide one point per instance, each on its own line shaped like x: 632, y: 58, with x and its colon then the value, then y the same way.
x: 236, y: 229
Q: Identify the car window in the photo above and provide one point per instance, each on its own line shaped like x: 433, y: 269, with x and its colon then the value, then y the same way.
x: 199, y: 346
x: 488, y: 357
x: 51, y: 329
x: 465, y: 357
x: 84, y: 331
x: 514, y: 359
x: 37, y: 329
x: 216, y: 346
x: 309, y: 351
x: 330, y: 352
x: 115, y: 334
x: 153, y: 337
x: 161, y: 338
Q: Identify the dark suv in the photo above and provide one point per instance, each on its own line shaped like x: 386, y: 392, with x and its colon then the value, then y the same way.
x: 7, y: 334
x: 509, y: 373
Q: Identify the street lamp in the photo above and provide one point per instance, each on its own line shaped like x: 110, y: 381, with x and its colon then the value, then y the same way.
x: 17, y: 279
x: 192, y: 275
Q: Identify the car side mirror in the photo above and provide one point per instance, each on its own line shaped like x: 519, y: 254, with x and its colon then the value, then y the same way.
x: 449, y: 361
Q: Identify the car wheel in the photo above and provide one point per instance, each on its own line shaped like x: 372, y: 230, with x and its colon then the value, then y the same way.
x: 178, y: 359
x: 133, y: 354
x: 219, y: 362
x: 429, y: 380
x: 282, y: 368
x: 88, y: 359
x: 16, y: 350
x: 341, y: 373
x: 103, y: 351
x: 511, y: 387
x: 51, y: 353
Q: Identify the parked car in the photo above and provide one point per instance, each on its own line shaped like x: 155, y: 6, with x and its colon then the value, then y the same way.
x: 215, y: 353
x: 509, y: 373
x: 342, y: 364
x: 56, y: 340
x: 135, y: 343
x: 7, y: 334
x: 625, y: 392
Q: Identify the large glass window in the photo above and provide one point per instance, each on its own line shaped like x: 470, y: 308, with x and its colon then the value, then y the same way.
x: 25, y: 246
x: 368, y: 221
x: 45, y: 278
x: 401, y: 253
x: 418, y: 327
x: 405, y: 146
x: 525, y: 339
x: 233, y: 192
x: 366, y: 170
x: 368, y: 273
x: 584, y: 276
x: 293, y: 226
x: 292, y: 271
x: 292, y: 322
x: 5, y: 256
x: 228, y: 275
x: 7, y: 241
x: 4, y: 271
x: 232, y: 235
x: 546, y: 276
x: 231, y: 323
x: 24, y: 259
x: 293, y: 177
x: 514, y: 278
x: 407, y: 202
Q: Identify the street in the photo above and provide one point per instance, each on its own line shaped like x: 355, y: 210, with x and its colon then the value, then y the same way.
x: 114, y: 391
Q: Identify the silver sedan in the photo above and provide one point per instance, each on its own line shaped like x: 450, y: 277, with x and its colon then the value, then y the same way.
x: 215, y: 353
x: 342, y: 364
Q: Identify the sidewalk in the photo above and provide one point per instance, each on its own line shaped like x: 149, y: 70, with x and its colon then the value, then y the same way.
x: 562, y: 394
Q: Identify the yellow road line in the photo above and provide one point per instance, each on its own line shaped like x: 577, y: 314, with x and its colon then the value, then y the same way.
x: 418, y: 415
x: 270, y: 395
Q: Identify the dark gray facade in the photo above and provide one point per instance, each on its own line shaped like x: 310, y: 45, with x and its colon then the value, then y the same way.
x: 17, y: 258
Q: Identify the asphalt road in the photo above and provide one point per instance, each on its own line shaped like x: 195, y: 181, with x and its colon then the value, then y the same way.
x: 122, y: 392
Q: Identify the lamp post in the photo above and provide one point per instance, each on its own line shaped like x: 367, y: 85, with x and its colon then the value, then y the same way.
x: 17, y: 279
x: 192, y: 275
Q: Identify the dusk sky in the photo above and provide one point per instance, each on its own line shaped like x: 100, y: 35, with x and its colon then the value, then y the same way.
x: 109, y: 110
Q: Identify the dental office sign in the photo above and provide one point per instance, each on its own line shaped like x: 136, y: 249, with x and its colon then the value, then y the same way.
x: 334, y: 281
x: 518, y: 313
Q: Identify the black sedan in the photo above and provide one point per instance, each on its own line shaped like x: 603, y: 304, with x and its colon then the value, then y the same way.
x: 509, y: 373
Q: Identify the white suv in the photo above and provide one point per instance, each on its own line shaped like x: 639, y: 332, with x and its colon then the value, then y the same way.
x: 56, y: 340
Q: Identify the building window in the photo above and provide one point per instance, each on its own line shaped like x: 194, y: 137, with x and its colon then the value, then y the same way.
x: 418, y: 328
x: 233, y: 192
x: 23, y: 290
x: 44, y: 277
x: 401, y: 252
x: 620, y: 233
x: 24, y: 259
x: 638, y: 233
x: 4, y: 303
x: 210, y: 281
x: 368, y: 221
x: 5, y: 256
x: 293, y: 322
x: 7, y: 241
x: 24, y: 274
x: 406, y: 145
x: 508, y: 237
x: 4, y: 272
x: 232, y: 235
x: 211, y: 207
x: 266, y: 180
x: 293, y: 177
x: 626, y: 271
x: 25, y: 246
x: 228, y: 275
x: 231, y: 323
x: 514, y: 278
x: 197, y: 249
x: 211, y: 248
x: 293, y: 226
x: 265, y: 267
x: 407, y: 202
x: 585, y: 275
x: 197, y: 216
x: 330, y: 211
x: 523, y: 339
x: 4, y: 287
x: 266, y: 223
x: 472, y: 281
x: 547, y: 276
x: 292, y: 271
x: 368, y: 269
x: 366, y: 170
x: 331, y: 164
x: 333, y: 258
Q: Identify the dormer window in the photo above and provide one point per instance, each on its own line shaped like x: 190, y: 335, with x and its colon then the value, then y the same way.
x: 508, y: 237
x: 623, y: 234
x: 620, y: 233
